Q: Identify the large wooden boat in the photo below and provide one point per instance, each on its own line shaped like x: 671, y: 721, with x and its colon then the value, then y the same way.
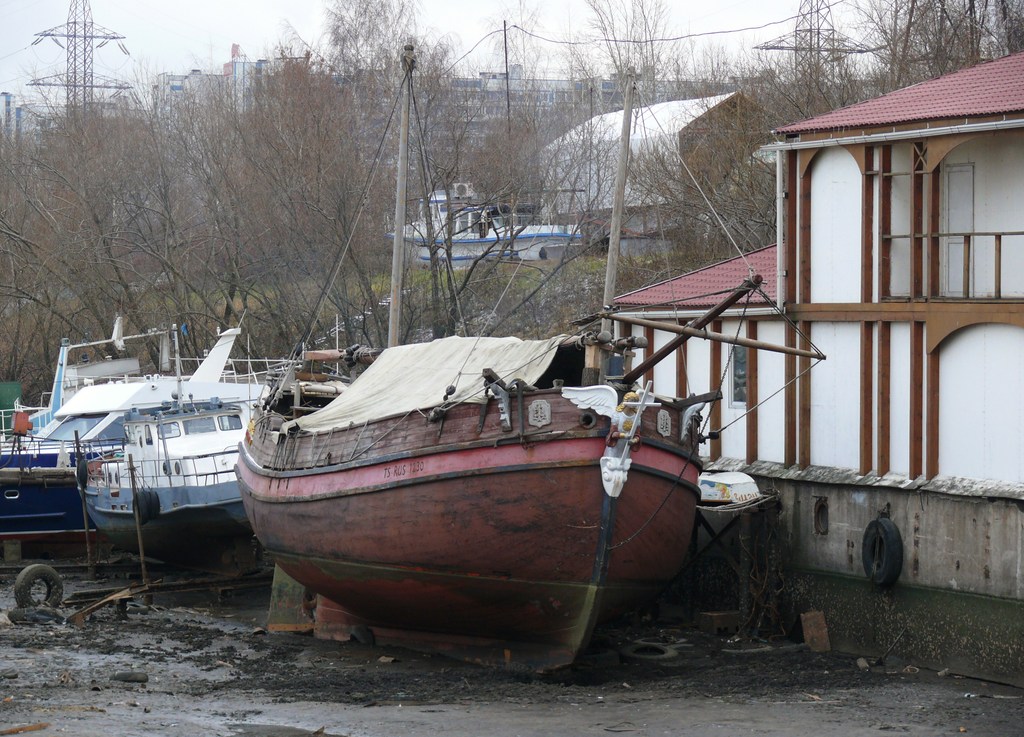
x: 500, y: 520
x: 488, y: 497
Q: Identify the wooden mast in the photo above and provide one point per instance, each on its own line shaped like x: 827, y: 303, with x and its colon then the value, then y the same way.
x: 398, y: 246
x: 593, y: 372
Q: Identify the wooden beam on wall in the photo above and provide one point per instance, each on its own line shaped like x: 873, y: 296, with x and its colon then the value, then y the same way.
x: 805, y: 432
x: 884, y: 397
x: 917, y: 389
x: 649, y: 335
x: 932, y: 432
x: 885, y: 223
x: 682, y: 380
x: 917, y: 223
x: 790, y: 396
x: 804, y: 242
x: 716, y: 380
x: 934, y: 228
x: 867, y: 396
x: 867, y: 232
x: 790, y: 229
x: 752, y: 394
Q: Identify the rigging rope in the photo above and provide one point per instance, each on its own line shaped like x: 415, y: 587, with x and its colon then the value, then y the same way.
x: 343, y: 250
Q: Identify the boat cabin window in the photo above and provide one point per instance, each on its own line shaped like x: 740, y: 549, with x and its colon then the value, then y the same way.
x: 113, y: 431
x: 80, y: 423
x: 169, y: 430
x: 230, y: 422
x: 200, y: 425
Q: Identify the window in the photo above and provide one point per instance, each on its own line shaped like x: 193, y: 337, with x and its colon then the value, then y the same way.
x: 200, y: 425
x: 149, y: 435
x: 82, y: 423
x: 738, y: 369
x: 113, y: 431
x: 168, y: 429
x: 230, y: 422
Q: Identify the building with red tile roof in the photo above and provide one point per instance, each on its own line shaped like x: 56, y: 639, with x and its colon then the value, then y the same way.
x: 901, y: 258
x: 990, y: 89
x: 706, y: 287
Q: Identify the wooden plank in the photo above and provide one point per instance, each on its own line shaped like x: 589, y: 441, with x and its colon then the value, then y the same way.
x: 867, y: 390
x: 967, y: 267
x: 649, y: 334
x: 804, y: 245
x: 934, y: 226
x: 999, y: 266
x: 867, y: 232
x: 885, y: 216
x: 916, y: 399
x: 790, y: 395
x: 884, y: 397
x: 752, y: 395
x: 917, y: 224
x: 790, y: 231
x: 815, y: 631
x: 805, y: 431
x: 932, y: 432
x: 716, y: 381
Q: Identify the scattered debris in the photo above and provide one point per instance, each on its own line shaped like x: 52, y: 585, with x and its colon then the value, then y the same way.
x: 130, y: 676
x: 26, y: 728
x: 815, y: 631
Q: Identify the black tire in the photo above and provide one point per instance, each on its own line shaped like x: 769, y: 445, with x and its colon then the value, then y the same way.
x: 82, y: 473
x: 149, y: 505
x: 647, y: 651
x: 32, y: 576
x: 882, y: 551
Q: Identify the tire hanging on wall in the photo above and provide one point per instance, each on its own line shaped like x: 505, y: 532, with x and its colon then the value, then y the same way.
x: 882, y: 551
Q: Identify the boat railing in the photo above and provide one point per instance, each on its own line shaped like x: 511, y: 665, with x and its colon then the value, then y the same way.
x: 198, y: 470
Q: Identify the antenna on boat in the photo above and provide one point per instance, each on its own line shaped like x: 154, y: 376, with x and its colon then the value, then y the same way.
x: 177, y: 361
x: 398, y: 244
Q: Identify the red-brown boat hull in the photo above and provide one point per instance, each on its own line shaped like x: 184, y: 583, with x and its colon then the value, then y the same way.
x: 501, y: 545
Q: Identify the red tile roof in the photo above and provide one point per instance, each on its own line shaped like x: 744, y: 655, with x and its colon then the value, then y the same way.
x: 990, y: 88
x: 708, y: 286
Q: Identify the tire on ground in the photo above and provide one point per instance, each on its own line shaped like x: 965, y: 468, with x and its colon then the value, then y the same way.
x: 27, y: 581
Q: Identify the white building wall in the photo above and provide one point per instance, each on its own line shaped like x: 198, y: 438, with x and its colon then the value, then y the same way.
x: 835, y: 227
x: 982, y: 403
x: 899, y: 399
x: 835, y: 385
x: 734, y: 436
x: 771, y: 378
x: 698, y: 366
x: 664, y: 372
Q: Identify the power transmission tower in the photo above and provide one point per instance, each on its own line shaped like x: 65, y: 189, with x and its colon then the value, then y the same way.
x: 78, y: 80
x: 819, y: 50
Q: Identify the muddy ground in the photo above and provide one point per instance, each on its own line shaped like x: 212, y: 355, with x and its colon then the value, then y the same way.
x: 197, y: 665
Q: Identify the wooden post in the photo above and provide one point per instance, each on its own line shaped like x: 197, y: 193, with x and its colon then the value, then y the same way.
x: 618, y: 201
x: 79, y: 459
x: 398, y: 246
x: 138, y: 520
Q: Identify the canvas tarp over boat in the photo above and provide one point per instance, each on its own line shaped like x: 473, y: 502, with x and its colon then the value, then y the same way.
x: 415, y: 377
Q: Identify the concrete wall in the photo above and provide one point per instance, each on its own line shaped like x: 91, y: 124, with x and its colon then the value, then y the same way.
x: 959, y: 600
